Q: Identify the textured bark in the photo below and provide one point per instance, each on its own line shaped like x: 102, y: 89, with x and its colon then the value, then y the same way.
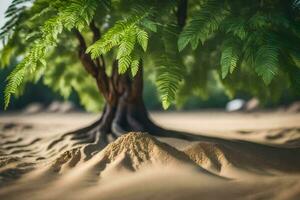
x: 125, y: 110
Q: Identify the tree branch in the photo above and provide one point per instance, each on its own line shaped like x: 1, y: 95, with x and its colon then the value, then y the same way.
x: 96, y: 36
x: 85, y: 59
x: 95, y: 30
x: 182, y: 13
x: 137, y: 83
x: 91, y: 67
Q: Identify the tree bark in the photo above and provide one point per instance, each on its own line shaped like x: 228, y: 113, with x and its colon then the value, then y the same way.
x: 125, y: 110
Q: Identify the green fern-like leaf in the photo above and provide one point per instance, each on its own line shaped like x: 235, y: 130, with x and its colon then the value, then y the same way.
x: 230, y: 56
x: 79, y: 13
x: 28, y: 65
x: 127, y: 44
x: 170, y: 68
x: 152, y: 26
x: 124, y: 64
x: 235, y: 26
x: 142, y: 38
x: 116, y: 35
x: 111, y: 39
x: 134, y: 67
x: 123, y: 35
x: 169, y: 77
x: 267, y: 63
x: 203, y: 24
x: 15, y: 79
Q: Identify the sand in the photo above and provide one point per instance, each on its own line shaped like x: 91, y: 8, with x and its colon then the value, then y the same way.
x: 240, y: 156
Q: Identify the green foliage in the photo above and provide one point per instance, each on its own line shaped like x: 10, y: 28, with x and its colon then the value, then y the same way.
x: 170, y: 75
x: 203, y: 24
x: 78, y: 13
x: 124, y: 35
x: 13, y: 13
x: 142, y: 38
x: 266, y: 63
x: 248, y: 46
x: 170, y: 68
x: 15, y: 80
x: 230, y: 56
x: 74, y: 15
x: 28, y: 65
x: 253, y: 33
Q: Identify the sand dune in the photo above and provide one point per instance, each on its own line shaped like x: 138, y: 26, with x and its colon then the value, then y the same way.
x: 139, y: 166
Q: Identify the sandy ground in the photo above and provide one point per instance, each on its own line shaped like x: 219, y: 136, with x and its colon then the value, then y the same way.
x: 238, y: 156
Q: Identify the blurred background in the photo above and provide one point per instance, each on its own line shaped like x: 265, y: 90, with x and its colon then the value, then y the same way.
x: 38, y: 96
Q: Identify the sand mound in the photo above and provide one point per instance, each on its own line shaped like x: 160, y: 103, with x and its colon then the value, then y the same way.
x: 68, y: 159
x: 129, y: 153
x: 207, y: 155
x: 241, y: 160
x: 142, y: 149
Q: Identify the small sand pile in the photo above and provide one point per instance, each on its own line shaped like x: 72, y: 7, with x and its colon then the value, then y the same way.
x: 240, y: 160
x: 142, y: 148
x: 210, y: 156
x: 68, y: 159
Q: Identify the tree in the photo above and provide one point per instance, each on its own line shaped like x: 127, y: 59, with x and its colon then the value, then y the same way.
x: 100, y: 48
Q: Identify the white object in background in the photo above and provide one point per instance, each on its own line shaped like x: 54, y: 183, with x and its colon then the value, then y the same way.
x: 235, y: 105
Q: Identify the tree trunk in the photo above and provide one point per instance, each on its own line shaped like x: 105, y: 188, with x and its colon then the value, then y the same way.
x: 124, y: 111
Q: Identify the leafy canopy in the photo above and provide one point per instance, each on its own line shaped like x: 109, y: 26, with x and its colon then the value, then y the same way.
x: 250, y: 46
